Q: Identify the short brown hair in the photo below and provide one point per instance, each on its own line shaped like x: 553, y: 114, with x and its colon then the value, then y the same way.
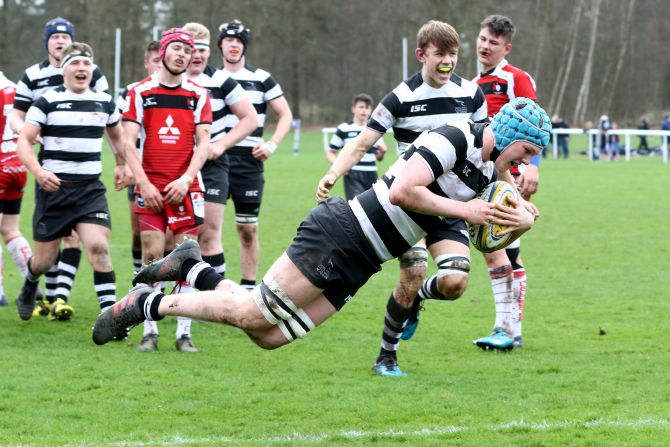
x: 362, y: 97
x: 77, y: 47
x: 500, y: 26
x: 153, y: 47
x: 440, y: 34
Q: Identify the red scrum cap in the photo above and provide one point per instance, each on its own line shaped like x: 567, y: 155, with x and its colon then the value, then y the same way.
x: 175, y: 35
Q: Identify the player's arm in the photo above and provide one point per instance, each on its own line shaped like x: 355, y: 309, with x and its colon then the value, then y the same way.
x: 248, y: 122
x: 351, y: 154
x: 116, y: 143
x: 24, y: 149
x: 150, y: 195
x: 176, y: 191
x: 284, y: 120
x: 16, y: 120
x: 529, y: 180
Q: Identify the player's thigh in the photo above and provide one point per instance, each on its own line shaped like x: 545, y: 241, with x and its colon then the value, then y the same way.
x: 153, y: 245
x: 293, y: 282
x: 213, y: 216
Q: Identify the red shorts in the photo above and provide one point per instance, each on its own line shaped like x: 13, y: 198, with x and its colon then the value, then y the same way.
x: 13, y: 177
x: 184, y: 218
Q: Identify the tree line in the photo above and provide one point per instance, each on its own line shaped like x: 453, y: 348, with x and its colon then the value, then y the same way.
x: 588, y: 57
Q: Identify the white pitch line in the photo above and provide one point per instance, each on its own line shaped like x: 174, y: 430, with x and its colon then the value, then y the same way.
x: 313, y: 438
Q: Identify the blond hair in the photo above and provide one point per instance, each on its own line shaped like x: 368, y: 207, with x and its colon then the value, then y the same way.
x: 77, y: 47
x: 200, y: 32
x: 440, y: 34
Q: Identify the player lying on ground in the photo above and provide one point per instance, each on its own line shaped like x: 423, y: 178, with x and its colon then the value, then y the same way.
x: 340, y: 245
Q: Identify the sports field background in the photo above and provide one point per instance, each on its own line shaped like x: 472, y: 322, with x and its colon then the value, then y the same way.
x: 598, y: 258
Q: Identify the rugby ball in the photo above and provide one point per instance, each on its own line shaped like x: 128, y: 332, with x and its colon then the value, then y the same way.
x: 486, y: 237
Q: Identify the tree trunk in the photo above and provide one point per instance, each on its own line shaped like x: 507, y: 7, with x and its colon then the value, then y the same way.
x: 583, y: 96
x: 561, y: 84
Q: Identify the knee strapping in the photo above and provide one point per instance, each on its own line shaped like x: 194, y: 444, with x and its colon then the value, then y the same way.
x: 278, y: 309
x: 414, y: 257
x: 452, y: 264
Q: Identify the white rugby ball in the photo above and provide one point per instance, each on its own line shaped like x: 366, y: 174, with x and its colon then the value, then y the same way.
x: 486, y: 237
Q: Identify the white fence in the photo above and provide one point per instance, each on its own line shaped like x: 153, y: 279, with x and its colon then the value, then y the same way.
x: 626, y: 133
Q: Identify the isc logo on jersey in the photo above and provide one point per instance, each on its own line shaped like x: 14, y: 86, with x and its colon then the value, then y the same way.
x: 486, y: 237
x: 169, y: 134
x: 416, y: 108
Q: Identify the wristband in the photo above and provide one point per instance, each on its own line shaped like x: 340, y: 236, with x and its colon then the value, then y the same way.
x: 185, y: 180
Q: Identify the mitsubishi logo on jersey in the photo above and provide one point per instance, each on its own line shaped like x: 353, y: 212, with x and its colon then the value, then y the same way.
x: 169, y: 134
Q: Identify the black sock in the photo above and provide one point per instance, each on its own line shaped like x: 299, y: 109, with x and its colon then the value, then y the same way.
x: 394, y: 322
x: 248, y: 284
x: 207, y: 278
x: 217, y: 262
x: 155, y: 301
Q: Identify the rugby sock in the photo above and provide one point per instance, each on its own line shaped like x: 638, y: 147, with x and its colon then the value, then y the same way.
x: 137, y: 260
x: 520, y: 281
x: 429, y: 290
x: 184, y: 323
x: 217, y: 262
x: 67, y: 269
x: 150, y: 327
x: 394, y: 322
x: 502, y: 283
x: 200, y: 275
x: 248, y: 284
x: 149, y: 303
x: 51, y: 280
x: 20, y: 251
x: 30, y: 276
x: 105, y: 288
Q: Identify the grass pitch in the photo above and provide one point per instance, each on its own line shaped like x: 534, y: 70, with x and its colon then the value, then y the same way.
x: 598, y: 258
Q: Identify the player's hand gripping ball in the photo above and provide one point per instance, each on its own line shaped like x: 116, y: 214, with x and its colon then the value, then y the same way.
x: 486, y: 237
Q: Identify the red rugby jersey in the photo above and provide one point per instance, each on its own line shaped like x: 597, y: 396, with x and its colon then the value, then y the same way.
x: 168, y: 116
x: 7, y: 92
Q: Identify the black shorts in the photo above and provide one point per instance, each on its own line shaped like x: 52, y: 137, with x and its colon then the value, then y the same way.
x: 57, y: 213
x: 454, y: 230
x: 131, y: 193
x: 355, y: 182
x: 332, y: 252
x: 246, y: 178
x: 215, y: 177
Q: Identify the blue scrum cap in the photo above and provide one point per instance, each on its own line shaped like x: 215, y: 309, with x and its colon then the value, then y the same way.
x: 57, y: 25
x: 521, y: 119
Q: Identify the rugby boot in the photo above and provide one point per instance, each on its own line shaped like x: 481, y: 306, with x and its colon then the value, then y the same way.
x: 26, y: 299
x: 413, y: 319
x: 499, y: 339
x: 60, y: 310
x: 388, y: 367
x: 149, y: 343
x: 185, y: 344
x: 169, y: 267
x: 114, y: 322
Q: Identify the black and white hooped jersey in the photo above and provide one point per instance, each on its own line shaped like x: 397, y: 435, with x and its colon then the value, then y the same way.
x: 261, y: 88
x: 72, y: 127
x: 453, y: 153
x: 223, y: 91
x: 414, y: 106
x: 348, y: 131
x: 42, y: 77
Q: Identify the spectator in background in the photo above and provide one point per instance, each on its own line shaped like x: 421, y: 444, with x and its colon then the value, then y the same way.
x: 665, y: 125
x: 614, y: 144
x: 643, y: 147
x: 604, y: 125
x: 562, y: 140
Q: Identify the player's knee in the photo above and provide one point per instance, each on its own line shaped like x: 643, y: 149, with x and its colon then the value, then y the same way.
x: 452, y: 286
x: 452, y: 274
x: 280, y: 312
x: 248, y: 233
x: 414, y: 257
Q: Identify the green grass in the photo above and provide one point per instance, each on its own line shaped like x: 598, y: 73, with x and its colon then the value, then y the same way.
x: 598, y: 257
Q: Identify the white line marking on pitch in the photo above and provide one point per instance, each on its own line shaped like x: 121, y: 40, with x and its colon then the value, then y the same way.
x: 358, y: 434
